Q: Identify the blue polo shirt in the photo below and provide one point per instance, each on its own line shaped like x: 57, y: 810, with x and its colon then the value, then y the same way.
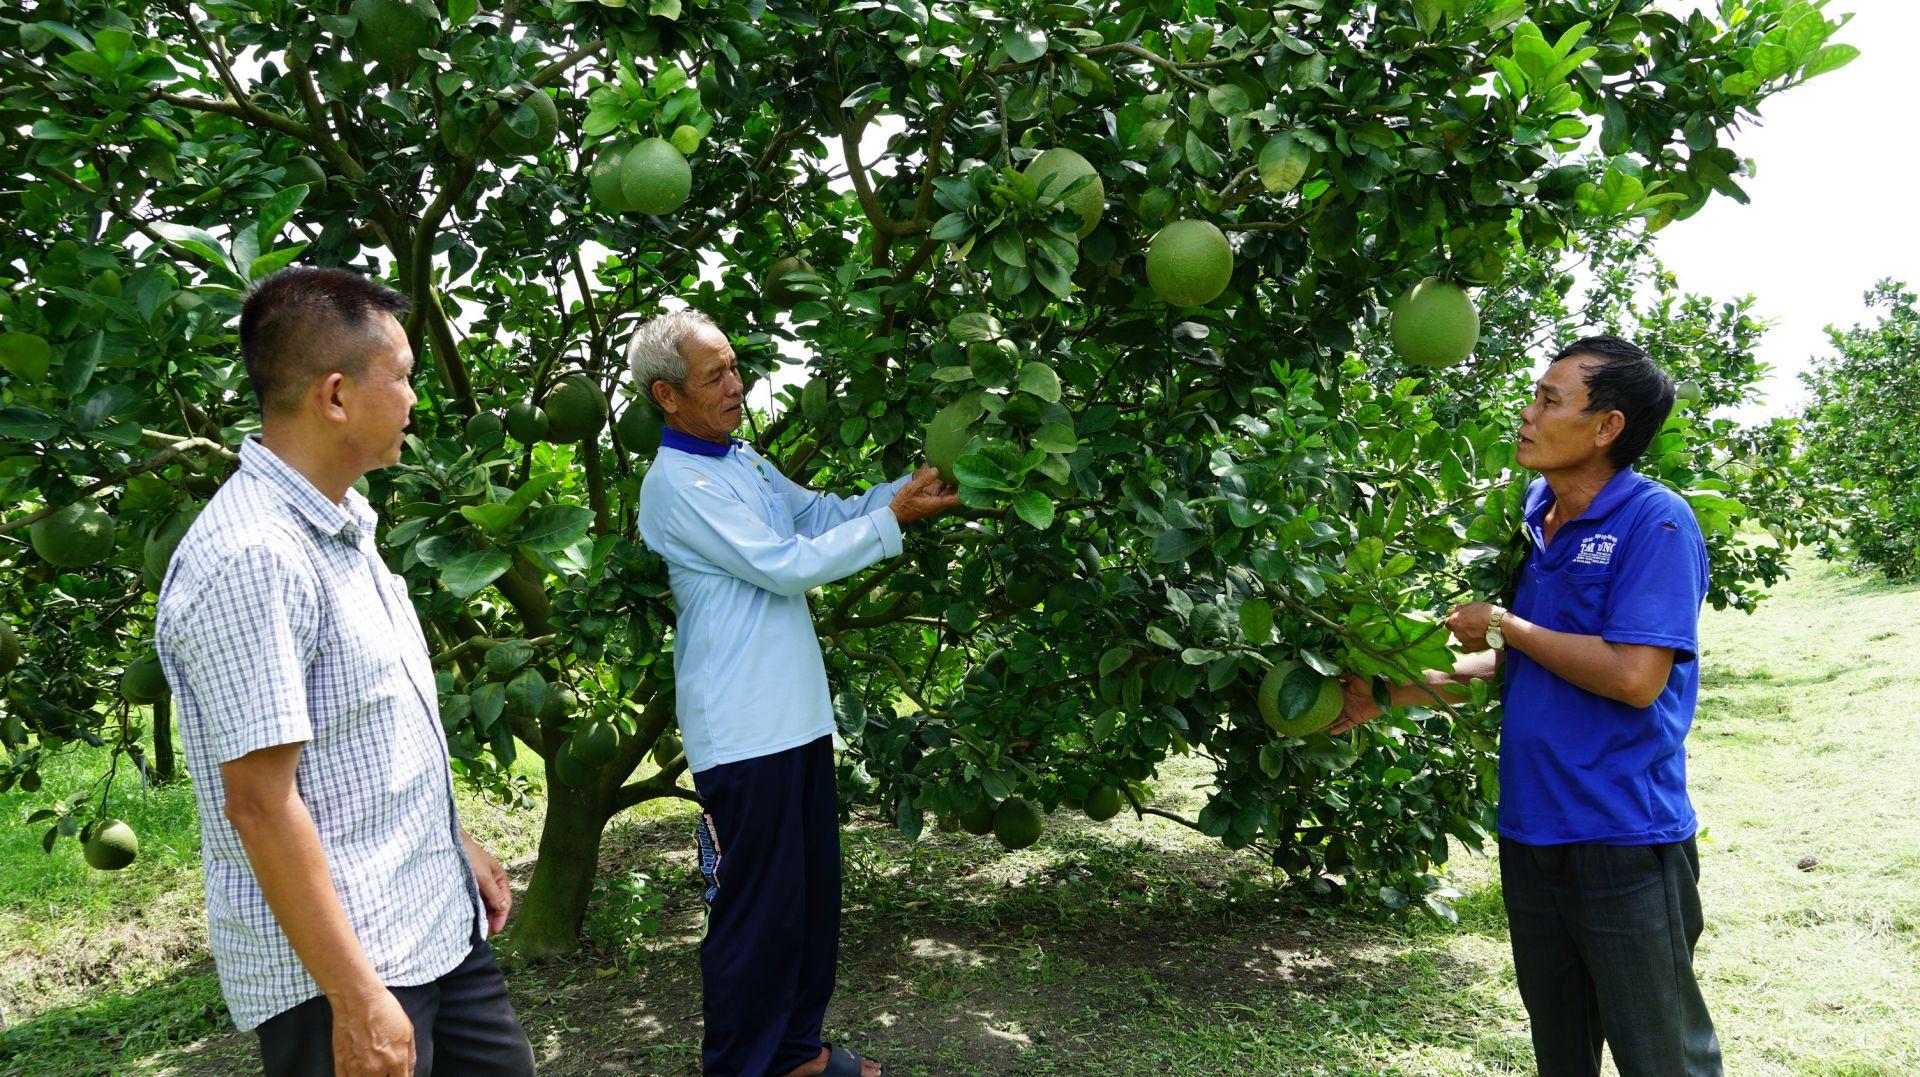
x: 1574, y: 766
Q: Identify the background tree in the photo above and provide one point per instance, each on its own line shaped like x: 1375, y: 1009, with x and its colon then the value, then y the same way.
x: 1863, y: 438
x: 1163, y: 503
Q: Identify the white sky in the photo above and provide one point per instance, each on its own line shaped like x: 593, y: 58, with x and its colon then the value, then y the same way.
x: 1833, y: 205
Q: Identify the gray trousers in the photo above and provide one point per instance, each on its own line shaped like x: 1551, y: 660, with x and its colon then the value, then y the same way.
x: 1603, y: 939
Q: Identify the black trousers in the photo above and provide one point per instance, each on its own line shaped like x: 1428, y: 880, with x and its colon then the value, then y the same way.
x: 1603, y: 939
x: 770, y: 850
x: 462, y: 1024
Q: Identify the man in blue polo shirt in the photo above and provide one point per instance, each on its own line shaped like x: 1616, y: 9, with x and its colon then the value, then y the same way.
x: 743, y: 545
x: 1598, y: 660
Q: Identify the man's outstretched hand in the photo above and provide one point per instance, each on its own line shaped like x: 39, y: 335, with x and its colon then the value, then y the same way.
x: 924, y: 495
x: 1356, y: 704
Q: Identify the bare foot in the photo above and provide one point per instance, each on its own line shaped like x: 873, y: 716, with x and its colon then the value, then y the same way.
x: 813, y: 1068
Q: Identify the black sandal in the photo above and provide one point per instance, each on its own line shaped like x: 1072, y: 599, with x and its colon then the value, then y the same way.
x: 843, y: 1062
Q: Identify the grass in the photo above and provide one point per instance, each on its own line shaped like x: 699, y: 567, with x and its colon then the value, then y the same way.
x: 1136, y: 946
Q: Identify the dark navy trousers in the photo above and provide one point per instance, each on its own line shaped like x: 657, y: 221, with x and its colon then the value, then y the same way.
x: 769, y: 838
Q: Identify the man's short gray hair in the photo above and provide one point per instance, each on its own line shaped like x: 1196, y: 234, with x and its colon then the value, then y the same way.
x: 654, y: 352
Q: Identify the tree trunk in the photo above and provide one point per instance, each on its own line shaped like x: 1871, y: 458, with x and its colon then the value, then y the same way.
x: 547, y: 920
x: 163, y: 765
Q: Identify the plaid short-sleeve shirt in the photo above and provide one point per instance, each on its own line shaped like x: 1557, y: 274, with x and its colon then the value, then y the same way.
x: 279, y: 624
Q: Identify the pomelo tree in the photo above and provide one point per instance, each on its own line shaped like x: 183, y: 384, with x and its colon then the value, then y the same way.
x: 1862, y: 438
x: 1162, y: 502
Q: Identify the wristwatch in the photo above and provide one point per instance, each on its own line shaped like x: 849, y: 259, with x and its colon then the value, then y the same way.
x: 1494, y: 637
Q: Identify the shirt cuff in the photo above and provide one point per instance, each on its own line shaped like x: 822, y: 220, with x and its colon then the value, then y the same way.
x: 889, y: 529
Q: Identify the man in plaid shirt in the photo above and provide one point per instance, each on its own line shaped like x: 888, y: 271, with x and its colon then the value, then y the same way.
x: 346, y: 907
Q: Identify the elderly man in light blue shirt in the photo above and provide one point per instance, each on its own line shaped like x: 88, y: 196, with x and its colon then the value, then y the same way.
x: 744, y: 544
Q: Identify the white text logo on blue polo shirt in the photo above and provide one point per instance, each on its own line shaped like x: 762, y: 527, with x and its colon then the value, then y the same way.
x: 1595, y: 550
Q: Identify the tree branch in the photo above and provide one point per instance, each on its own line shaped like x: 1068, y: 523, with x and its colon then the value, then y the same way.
x: 118, y: 478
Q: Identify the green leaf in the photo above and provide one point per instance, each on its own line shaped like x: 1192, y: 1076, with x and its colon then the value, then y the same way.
x: 488, y: 701
x: 665, y: 9
x: 1283, y: 163
x: 1829, y: 58
x: 274, y: 260
x: 27, y: 424
x: 1055, y: 438
x: 974, y: 469
x: 1026, y: 46
x: 465, y: 575
x: 1256, y: 620
x: 197, y: 240
x: 1177, y: 545
x: 1299, y: 691
x: 491, y: 518
x: 1035, y: 508
x: 509, y: 656
x: 973, y: 328
x: 25, y: 356
x: 1114, y: 659
x: 1103, y: 725
x: 1040, y: 380
x: 555, y: 528
x: 1228, y: 99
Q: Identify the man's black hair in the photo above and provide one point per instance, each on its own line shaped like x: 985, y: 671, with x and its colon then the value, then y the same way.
x: 306, y: 322
x: 1626, y: 380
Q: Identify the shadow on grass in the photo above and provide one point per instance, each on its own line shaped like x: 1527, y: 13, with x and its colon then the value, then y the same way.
x: 178, y: 1025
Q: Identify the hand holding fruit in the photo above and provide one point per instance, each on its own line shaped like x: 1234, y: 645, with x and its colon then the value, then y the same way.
x: 1356, y: 704
x: 924, y: 495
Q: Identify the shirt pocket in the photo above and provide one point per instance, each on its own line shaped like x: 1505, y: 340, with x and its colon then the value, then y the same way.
x: 1583, y: 599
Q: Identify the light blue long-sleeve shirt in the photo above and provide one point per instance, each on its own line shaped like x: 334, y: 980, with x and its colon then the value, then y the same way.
x: 743, y: 545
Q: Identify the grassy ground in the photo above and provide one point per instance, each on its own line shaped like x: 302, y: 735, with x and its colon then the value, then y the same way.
x: 1135, y: 947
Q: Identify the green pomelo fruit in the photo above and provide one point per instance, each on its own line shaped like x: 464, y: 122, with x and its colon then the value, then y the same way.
x: 977, y: 819
x: 1103, y: 803
x: 143, y: 682
x: 666, y: 748
x: 9, y: 649
x: 947, y: 436
x: 485, y: 428
x: 775, y: 288
x: 1063, y: 167
x: 1024, y: 591
x: 1435, y: 324
x: 1687, y: 392
x: 527, y: 422
x: 157, y: 553
x: 1189, y: 263
x: 561, y: 702
x: 603, y: 179
x: 576, y: 409
x: 596, y: 744
x: 1318, y: 716
x: 107, y: 283
x: 570, y: 770
x: 546, y: 114
x: 1017, y: 823
x: 306, y: 170
x: 640, y: 427
x: 393, y: 32
x: 74, y: 536
x: 655, y: 177
x: 112, y: 846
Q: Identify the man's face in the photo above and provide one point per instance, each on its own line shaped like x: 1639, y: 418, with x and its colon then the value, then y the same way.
x: 379, y: 403
x: 1556, y: 433
x: 711, y: 402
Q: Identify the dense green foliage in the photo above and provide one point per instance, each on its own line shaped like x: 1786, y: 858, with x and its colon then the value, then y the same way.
x: 1863, y: 433
x: 1163, y: 503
